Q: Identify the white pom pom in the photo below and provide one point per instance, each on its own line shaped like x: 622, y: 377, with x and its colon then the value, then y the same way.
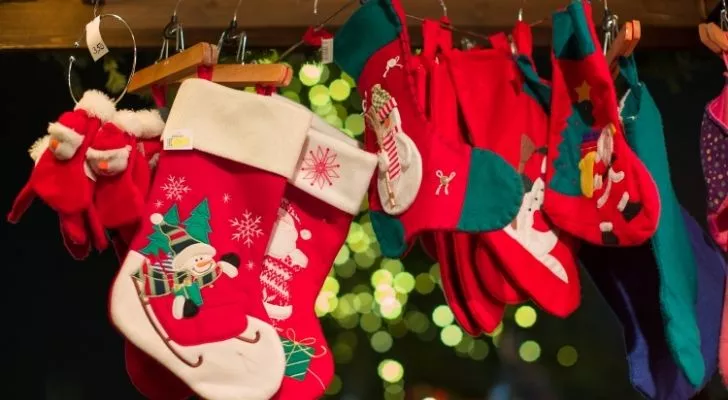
x: 156, y: 218
x: 305, y: 234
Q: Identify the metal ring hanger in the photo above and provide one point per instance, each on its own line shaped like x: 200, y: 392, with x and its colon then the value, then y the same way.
x: 230, y: 35
x: 77, y: 44
x: 173, y: 30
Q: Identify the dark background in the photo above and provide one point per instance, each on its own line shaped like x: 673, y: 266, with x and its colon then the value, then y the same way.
x: 59, y: 343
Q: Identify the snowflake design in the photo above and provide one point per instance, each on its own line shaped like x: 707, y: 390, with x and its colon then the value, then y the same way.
x: 250, y: 265
x: 158, y: 204
x: 226, y: 198
x: 320, y: 167
x: 175, y: 188
x: 246, y: 228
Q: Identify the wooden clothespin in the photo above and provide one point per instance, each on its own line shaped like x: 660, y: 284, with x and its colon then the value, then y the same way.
x: 713, y: 37
x: 175, y: 67
x: 623, y: 45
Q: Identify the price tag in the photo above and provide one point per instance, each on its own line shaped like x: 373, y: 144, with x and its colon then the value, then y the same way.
x: 327, y: 50
x: 179, y: 139
x: 95, y: 43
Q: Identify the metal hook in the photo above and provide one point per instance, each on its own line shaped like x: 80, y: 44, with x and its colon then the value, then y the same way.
x: 610, y: 27
x: 77, y: 44
x: 96, y: 8
x: 444, y: 8
x: 173, y: 30
x: 724, y: 17
x: 230, y: 35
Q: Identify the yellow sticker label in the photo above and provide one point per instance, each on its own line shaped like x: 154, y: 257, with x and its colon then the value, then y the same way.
x: 180, y: 139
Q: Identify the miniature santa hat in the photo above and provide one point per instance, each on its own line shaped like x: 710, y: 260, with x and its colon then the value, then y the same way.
x: 287, y: 215
x: 109, y: 152
x: 182, y: 245
x: 68, y: 132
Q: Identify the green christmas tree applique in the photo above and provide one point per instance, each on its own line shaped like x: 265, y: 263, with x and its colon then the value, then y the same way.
x: 198, y: 223
x: 158, y: 241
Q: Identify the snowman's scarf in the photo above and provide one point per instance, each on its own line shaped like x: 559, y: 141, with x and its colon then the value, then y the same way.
x: 158, y: 282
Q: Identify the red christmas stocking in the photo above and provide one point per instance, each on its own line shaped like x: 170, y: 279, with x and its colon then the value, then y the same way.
x: 444, y: 114
x: 188, y: 292
x: 425, y: 183
x: 596, y: 187
x: 313, y: 221
x: 538, y: 258
x: 121, y: 168
x: 60, y: 165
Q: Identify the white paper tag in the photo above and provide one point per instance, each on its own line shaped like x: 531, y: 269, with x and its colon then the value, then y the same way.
x: 327, y: 50
x: 180, y: 139
x: 95, y: 43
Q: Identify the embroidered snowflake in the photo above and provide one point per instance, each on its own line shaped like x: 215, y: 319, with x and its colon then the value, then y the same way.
x: 226, y: 198
x: 246, y: 228
x: 158, y: 204
x: 250, y: 265
x: 320, y: 167
x: 175, y: 188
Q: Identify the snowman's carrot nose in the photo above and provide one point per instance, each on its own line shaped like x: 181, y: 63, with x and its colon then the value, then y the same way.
x: 53, y: 144
x: 203, y: 263
x: 104, y: 165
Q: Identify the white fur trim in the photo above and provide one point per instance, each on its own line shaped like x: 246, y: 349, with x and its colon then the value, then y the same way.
x: 230, y: 369
x: 353, y: 166
x: 152, y: 123
x: 117, y: 160
x: 39, y: 147
x: 128, y: 121
x: 68, y: 140
x: 97, y: 104
x: 248, y: 128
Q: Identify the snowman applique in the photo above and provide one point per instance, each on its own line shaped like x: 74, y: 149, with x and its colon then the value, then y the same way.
x: 282, y: 260
x: 193, y: 267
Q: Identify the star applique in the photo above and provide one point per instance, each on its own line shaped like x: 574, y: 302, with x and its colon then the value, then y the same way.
x: 583, y: 91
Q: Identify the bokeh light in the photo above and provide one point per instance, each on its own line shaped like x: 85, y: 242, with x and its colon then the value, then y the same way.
x: 342, y: 256
x: 567, y: 356
x: 370, y: 322
x: 381, y: 341
x: 381, y: 277
x: 319, y: 96
x: 392, y: 265
x: 525, y: 316
x: 339, y: 90
x: 416, y: 321
x: 424, y: 284
x: 334, y: 387
x: 529, y: 351
x: 355, y: 123
x: 442, y: 316
x: 435, y: 272
x: 310, y: 74
x: 343, y: 353
x: 451, y: 335
x: 479, y: 350
x: 390, y: 371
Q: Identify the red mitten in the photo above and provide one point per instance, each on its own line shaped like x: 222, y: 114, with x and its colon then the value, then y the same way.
x: 538, y: 258
x: 425, y: 183
x: 62, y: 166
x: 313, y: 222
x: 188, y: 293
x: 121, y: 169
x: 596, y: 187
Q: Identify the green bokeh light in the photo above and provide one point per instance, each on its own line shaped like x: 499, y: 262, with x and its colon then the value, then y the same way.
x: 355, y: 123
x: 348, y: 79
x: 349, y: 322
x: 363, y: 303
x: 525, y: 316
x: 442, y: 316
x: 347, y: 269
x: 398, y: 329
x: 334, y: 120
x: 342, y: 256
x: 529, y: 351
x: 343, y: 353
x: 424, y: 283
x: 310, y: 74
x: 334, y: 387
x: 382, y: 277
x: 390, y: 371
x: 365, y: 259
x: 356, y: 233
x: 381, y: 341
x: 567, y: 356
x: 319, y: 96
x: 479, y: 350
x: 416, y: 321
x: 330, y: 285
x: 324, y: 109
x: 339, y: 89
x: 325, y: 73
x: 435, y: 272
x: 390, y: 309
x: 370, y: 322
x: 451, y: 335
x: 342, y: 113
x: 392, y: 265
x: 404, y: 282
x: 289, y: 94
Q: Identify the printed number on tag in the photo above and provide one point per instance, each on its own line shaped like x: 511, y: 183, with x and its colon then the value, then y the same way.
x: 327, y: 50
x: 95, y: 43
x: 180, y: 139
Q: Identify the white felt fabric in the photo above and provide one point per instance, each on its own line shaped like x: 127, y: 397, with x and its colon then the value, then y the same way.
x: 230, y: 370
x: 248, y: 128
x: 341, y: 155
x: 67, y: 140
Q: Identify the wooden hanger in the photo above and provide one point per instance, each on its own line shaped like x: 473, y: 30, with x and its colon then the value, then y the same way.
x: 623, y: 45
x: 175, y: 67
x: 239, y: 76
